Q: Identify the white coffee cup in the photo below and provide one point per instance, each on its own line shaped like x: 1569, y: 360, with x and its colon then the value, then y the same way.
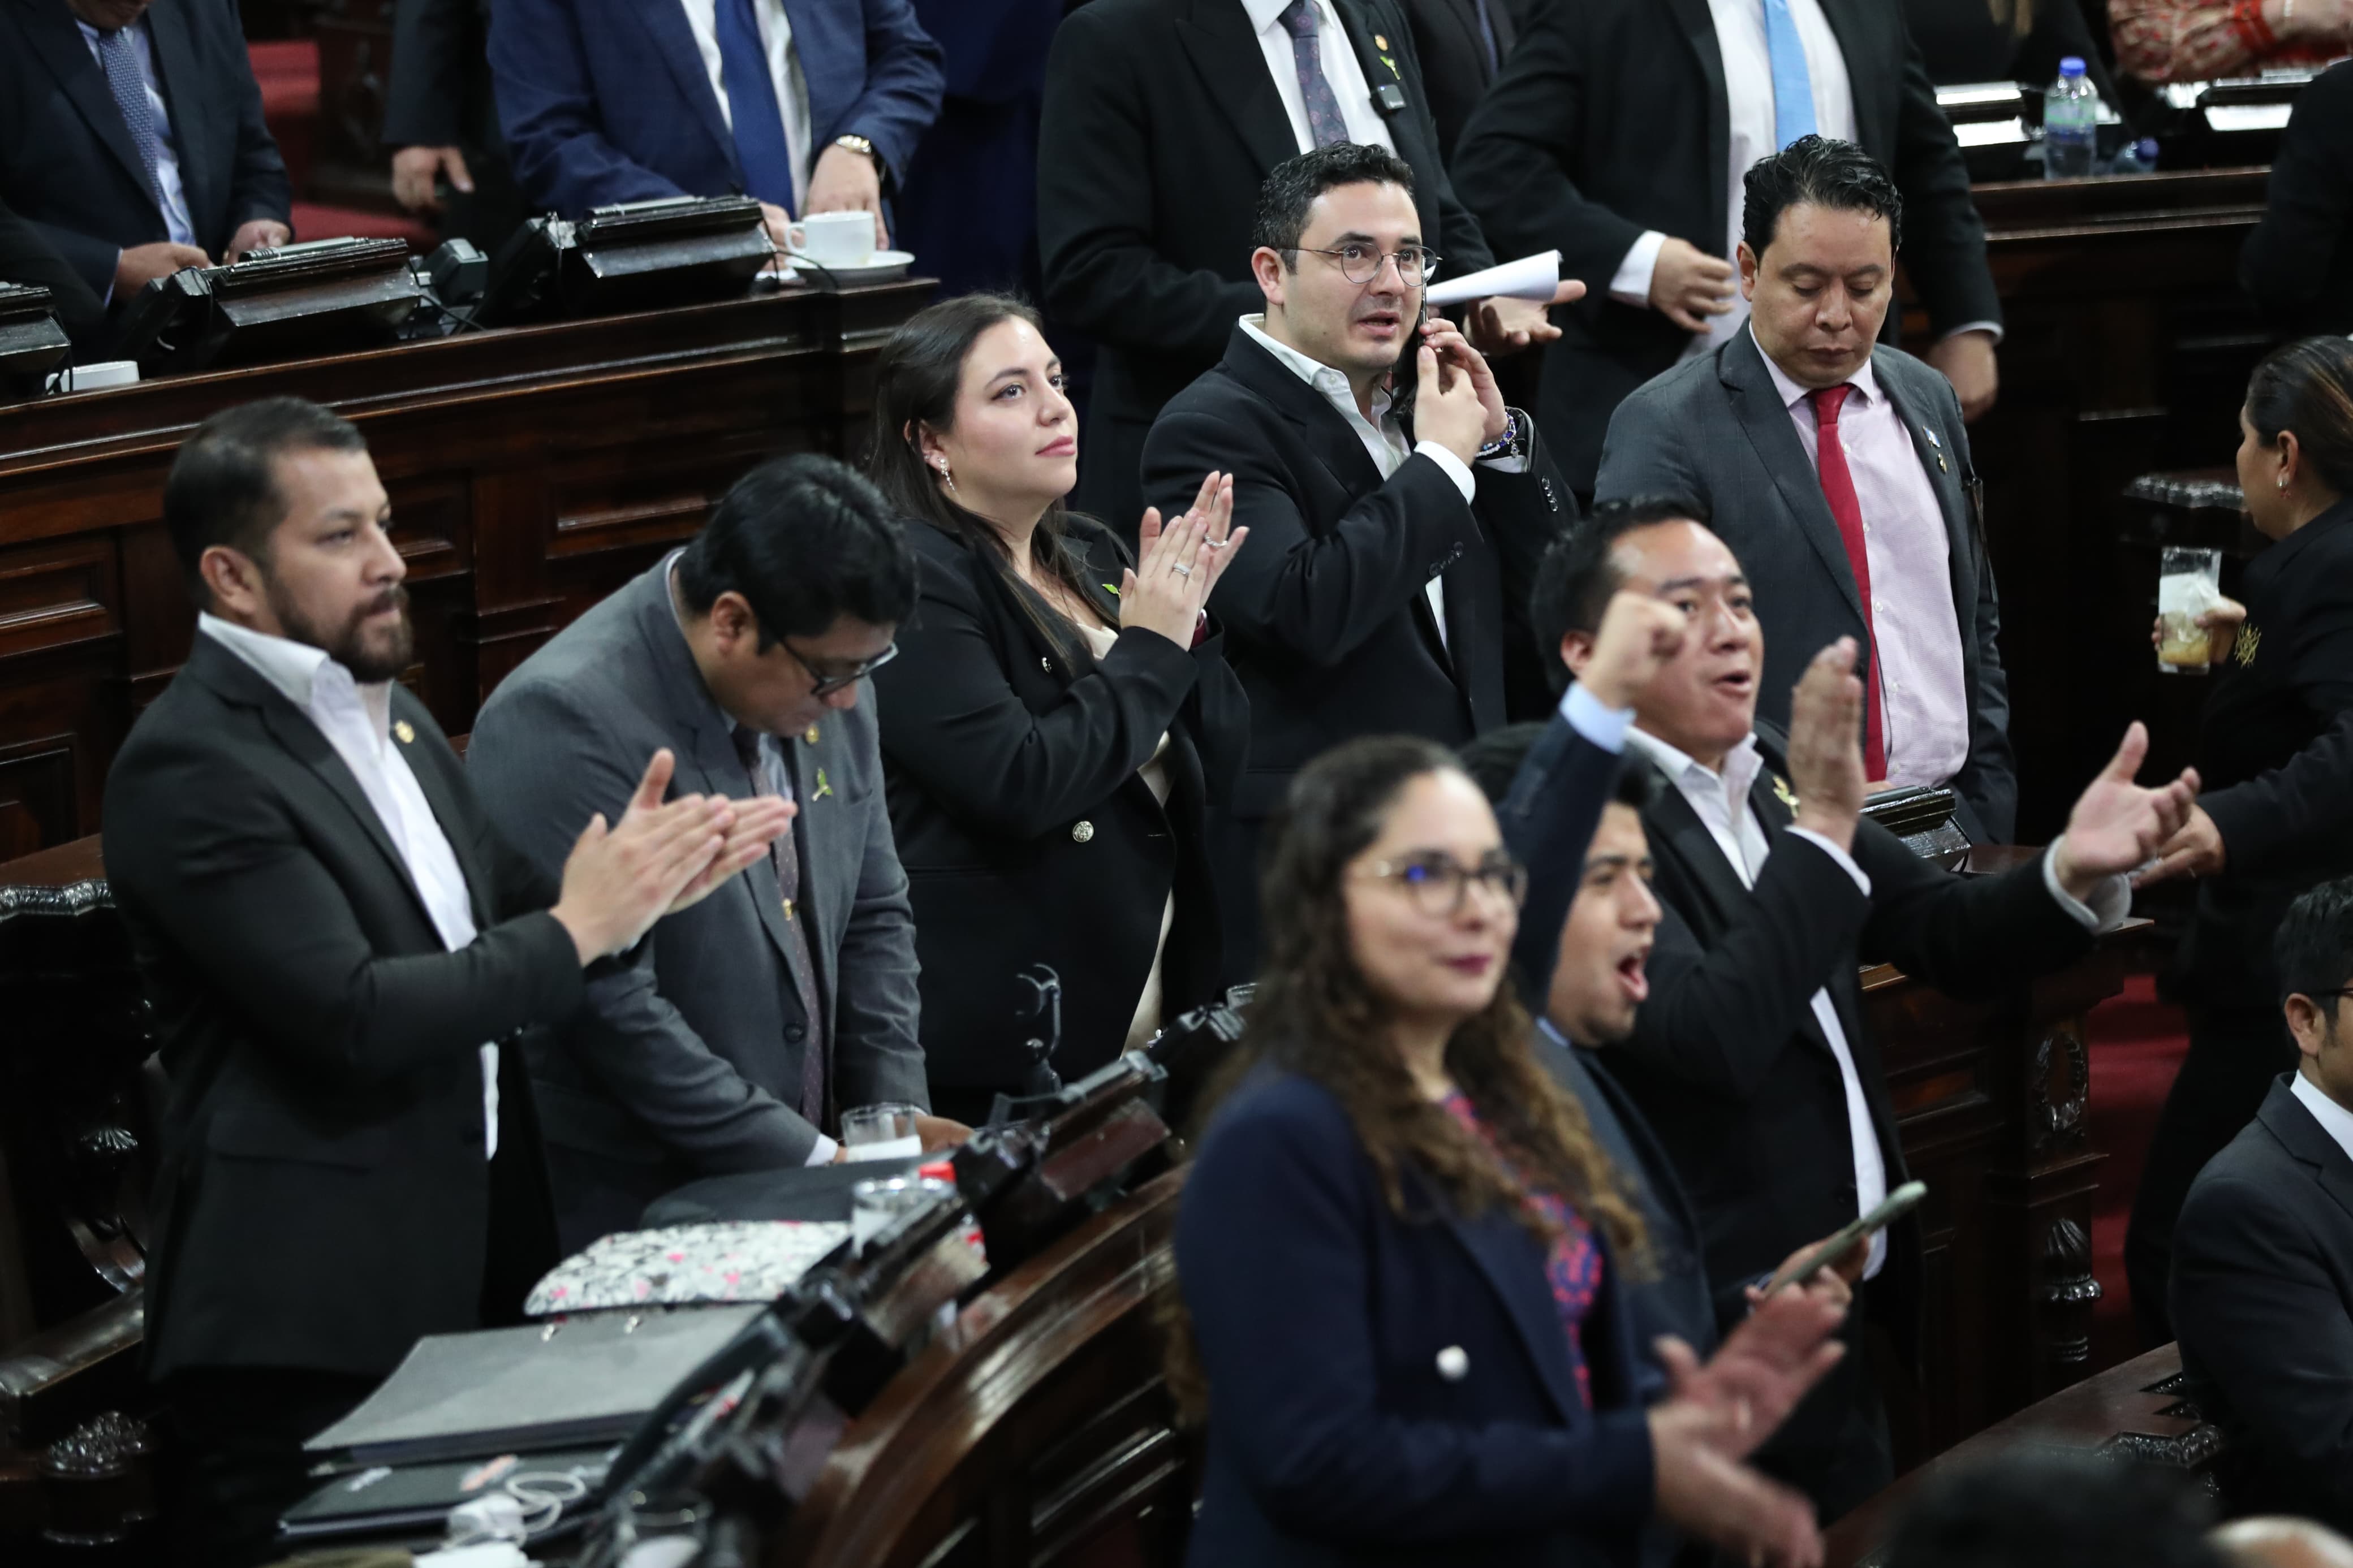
x: 833, y: 239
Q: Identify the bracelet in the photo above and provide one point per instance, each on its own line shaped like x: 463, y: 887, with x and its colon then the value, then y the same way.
x: 1505, y: 445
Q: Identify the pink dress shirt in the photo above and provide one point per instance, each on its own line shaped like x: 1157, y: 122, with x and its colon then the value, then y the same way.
x: 1916, y: 632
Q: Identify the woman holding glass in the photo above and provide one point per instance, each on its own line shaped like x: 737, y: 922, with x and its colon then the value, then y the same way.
x: 1059, y: 719
x: 2282, y: 660
x: 1400, y: 1249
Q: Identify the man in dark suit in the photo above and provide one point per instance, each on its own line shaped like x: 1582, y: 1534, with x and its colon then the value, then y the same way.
x: 1383, y: 575
x: 1748, y: 1056
x: 2263, y: 1254
x: 338, y: 948
x: 813, y: 108
x: 2297, y: 263
x: 131, y: 136
x: 26, y: 258
x: 442, y: 120
x: 732, y: 1040
x: 1162, y: 119
x: 1618, y: 132
x: 1461, y: 45
x: 1839, y: 472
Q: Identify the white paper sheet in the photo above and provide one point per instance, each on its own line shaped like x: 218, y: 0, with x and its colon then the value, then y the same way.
x: 1530, y: 278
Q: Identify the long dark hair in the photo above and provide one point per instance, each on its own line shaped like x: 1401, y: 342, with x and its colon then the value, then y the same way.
x: 915, y: 384
x: 1316, y: 1015
x: 2307, y: 386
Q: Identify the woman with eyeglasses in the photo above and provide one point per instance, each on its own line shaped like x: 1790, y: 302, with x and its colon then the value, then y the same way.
x: 1400, y: 1250
x: 1058, y: 721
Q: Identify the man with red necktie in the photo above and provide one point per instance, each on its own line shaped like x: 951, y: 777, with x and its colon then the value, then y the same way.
x: 1838, y: 469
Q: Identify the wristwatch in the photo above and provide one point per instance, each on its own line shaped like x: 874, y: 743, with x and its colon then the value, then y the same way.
x: 861, y: 146
x: 1511, y: 443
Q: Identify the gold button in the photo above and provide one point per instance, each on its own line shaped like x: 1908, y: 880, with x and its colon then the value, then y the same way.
x: 811, y: 736
x: 1082, y: 831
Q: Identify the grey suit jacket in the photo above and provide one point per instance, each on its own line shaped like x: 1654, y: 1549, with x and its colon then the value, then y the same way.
x: 686, y: 1062
x: 1714, y: 429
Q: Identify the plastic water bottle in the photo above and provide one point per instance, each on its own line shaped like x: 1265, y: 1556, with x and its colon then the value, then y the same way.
x: 2140, y: 158
x: 2070, y: 115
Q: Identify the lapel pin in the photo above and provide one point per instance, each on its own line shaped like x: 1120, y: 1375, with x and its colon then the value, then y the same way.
x: 400, y: 727
x: 823, y: 788
x: 1379, y: 42
x: 811, y: 735
x: 1782, y: 793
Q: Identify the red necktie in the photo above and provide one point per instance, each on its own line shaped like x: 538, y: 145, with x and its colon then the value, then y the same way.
x: 1838, y: 488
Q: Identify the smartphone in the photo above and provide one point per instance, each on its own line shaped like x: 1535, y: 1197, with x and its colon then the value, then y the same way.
x: 1894, y: 1206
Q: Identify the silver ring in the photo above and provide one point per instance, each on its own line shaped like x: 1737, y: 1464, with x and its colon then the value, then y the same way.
x: 1182, y: 570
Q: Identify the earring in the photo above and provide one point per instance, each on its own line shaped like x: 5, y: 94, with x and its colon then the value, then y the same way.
x: 945, y: 478
x: 2283, y: 481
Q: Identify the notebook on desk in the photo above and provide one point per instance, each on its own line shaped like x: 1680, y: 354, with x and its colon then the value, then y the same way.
x: 532, y: 1389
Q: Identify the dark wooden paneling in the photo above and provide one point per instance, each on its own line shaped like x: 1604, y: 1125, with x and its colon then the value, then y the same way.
x: 531, y: 470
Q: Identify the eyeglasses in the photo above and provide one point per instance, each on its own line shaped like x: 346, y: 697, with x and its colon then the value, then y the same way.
x: 1438, y: 883
x: 827, y: 685
x: 1416, y: 264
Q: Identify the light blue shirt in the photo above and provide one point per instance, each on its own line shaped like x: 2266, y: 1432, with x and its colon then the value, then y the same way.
x: 176, y: 222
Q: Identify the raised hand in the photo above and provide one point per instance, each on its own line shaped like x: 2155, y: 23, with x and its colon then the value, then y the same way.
x: 2197, y: 850
x: 1700, y: 1488
x: 618, y: 882
x: 1767, y: 1363
x: 2118, y: 827
x: 1446, y: 408
x: 1457, y: 357
x: 1825, y: 744
x: 1640, y: 636
x: 1177, y: 564
x: 759, y: 823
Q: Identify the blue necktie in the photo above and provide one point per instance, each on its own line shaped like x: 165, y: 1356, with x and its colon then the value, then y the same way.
x: 1324, y: 125
x: 1793, y: 88
x: 760, y: 144
x: 121, y: 63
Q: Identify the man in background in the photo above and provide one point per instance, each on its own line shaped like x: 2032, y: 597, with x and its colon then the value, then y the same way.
x: 733, y: 1039
x: 132, y: 139
x: 442, y: 120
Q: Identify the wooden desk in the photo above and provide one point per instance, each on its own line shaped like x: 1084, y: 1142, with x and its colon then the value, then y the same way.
x: 532, y: 471
x: 2128, y: 347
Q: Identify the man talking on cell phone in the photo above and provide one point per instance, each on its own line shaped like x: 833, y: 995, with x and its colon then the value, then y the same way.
x: 339, y: 949
x: 1748, y: 1056
x: 1397, y: 507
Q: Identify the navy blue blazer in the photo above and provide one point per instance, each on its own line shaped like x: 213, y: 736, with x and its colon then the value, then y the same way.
x: 608, y: 100
x: 67, y: 163
x: 1323, y: 1321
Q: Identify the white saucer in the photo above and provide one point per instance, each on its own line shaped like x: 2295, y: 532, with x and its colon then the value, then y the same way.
x: 882, y: 267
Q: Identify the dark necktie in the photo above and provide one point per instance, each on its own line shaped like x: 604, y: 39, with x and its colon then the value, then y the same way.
x: 759, y: 124
x: 785, y: 855
x: 1487, y: 37
x: 1324, y: 125
x: 1846, y: 508
x: 120, y: 61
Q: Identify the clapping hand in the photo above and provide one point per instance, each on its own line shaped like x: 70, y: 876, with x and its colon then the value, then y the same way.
x: 1179, y: 564
x: 618, y: 882
x: 1702, y: 1489
x: 2118, y: 826
x: 1825, y: 744
x: 1765, y: 1364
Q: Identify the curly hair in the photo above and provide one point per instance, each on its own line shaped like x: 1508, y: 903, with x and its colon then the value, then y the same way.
x: 1316, y: 1015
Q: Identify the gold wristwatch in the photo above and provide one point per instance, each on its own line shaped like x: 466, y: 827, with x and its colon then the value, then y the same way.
x: 861, y: 146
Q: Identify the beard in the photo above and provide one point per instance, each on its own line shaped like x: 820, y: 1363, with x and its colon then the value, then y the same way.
x: 371, y: 656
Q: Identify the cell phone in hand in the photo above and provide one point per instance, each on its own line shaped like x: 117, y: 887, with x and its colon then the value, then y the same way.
x: 1855, y: 1232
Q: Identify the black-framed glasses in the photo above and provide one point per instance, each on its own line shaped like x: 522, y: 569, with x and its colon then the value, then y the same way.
x: 1417, y: 264
x: 827, y: 685
x: 1438, y: 883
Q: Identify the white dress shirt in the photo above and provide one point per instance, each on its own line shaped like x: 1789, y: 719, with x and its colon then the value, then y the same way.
x: 357, y: 721
x: 784, y: 73
x: 1364, y: 123
x: 176, y: 222
x: 1748, y: 105
x: 1916, y: 631
x: 2334, y: 1118
x: 1382, y: 437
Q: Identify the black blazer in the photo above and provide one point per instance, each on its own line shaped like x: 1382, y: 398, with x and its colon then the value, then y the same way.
x: 1327, y: 1325
x: 1454, y: 64
x: 2262, y: 1301
x: 27, y: 256
x: 2288, y: 681
x: 1160, y: 123
x: 323, y: 1199
x: 1326, y: 620
x: 1609, y: 119
x: 1728, y: 1061
x: 67, y: 162
x: 1027, y: 835
x: 2297, y: 263
x: 1960, y: 42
